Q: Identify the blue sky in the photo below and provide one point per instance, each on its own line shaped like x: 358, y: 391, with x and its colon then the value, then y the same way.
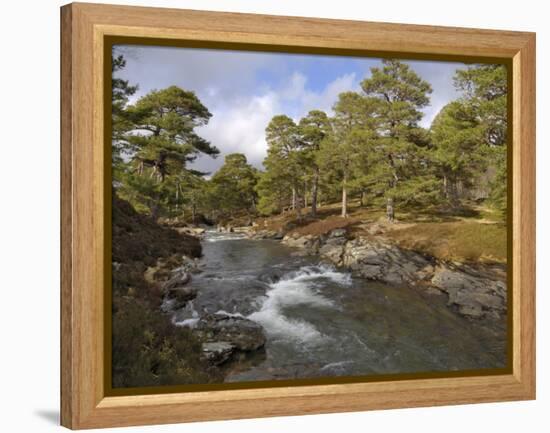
x: 244, y: 90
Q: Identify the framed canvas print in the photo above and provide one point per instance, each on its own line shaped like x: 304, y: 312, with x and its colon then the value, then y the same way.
x: 272, y: 216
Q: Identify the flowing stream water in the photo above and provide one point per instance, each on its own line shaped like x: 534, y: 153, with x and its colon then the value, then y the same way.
x: 321, y: 321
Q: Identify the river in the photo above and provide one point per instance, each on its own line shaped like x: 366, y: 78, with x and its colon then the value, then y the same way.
x: 321, y: 321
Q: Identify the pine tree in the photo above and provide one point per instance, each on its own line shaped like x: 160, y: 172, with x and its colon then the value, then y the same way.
x: 351, y: 138
x: 161, y: 144
x: 459, y: 157
x: 283, y: 165
x: 121, y: 120
x: 406, y: 175
x: 313, y: 129
x: 233, y: 185
x: 485, y: 98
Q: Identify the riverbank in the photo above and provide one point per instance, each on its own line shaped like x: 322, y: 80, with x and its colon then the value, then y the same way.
x: 324, y: 298
x: 399, y: 254
x: 322, y: 320
x: 152, y: 266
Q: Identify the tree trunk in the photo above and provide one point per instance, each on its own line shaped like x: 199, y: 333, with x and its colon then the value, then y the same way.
x: 362, y: 199
x: 389, y: 209
x: 344, y: 198
x: 314, y: 188
x: 298, y: 208
x: 445, y: 186
x: 305, y: 194
x: 193, y: 210
x: 154, y: 211
x: 293, y: 198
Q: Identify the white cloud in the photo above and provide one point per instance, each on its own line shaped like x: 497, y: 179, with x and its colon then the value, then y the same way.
x: 213, y: 74
x: 240, y: 128
x: 244, y: 90
x: 240, y: 125
x: 326, y: 99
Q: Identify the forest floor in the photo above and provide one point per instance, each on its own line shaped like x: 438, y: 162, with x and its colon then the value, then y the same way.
x: 478, y: 234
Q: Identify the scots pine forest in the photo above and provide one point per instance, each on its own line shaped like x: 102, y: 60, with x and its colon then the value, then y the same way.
x: 366, y: 242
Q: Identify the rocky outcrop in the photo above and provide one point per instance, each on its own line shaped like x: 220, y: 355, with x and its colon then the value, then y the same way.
x: 224, y: 336
x: 176, y: 291
x: 180, y: 277
x: 217, y: 352
x: 225, y: 229
x: 191, y: 231
x: 384, y: 261
x: 333, y: 249
x: 475, y: 290
x: 265, y: 234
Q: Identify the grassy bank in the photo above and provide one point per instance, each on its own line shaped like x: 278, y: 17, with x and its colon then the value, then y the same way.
x: 475, y: 234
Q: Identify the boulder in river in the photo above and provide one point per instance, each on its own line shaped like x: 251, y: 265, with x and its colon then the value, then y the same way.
x: 180, y: 277
x: 472, y: 291
x: 297, y: 242
x: 243, y: 333
x: 383, y: 261
x: 333, y: 249
x: 177, y: 290
x: 217, y: 352
x: 266, y: 234
x: 192, y: 231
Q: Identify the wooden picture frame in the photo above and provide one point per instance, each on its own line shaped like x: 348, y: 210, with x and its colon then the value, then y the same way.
x: 85, y: 225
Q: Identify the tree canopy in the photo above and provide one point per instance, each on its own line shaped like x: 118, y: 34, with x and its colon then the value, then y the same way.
x: 370, y: 146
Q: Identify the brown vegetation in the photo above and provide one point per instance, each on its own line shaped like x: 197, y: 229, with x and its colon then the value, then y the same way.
x: 459, y: 240
x: 148, y: 350
x: 473, y: 234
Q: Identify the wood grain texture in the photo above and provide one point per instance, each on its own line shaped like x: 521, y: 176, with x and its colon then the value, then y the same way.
x: 66, y: 218
x: 524, y: 214
x: 84, y: 27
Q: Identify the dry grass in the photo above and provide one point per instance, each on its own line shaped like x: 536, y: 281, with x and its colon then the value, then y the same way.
x: 319, y: 227
x: 461, y: 240
x: 475, y: 234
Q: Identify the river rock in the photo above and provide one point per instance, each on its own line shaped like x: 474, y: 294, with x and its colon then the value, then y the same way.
x: 309, y: 243
x: 178, y: 297
x: 474, y: 292
x: 192, y: 231
x: 217, y: 352
x: 265, y: 234
x: 180, y: 277
x: 333, y: 249
x: 298, y: 242
x: 176, y: 289
x: 242, y: 333
x: 371, y: 272
x: 338, y: 233
x: 270, y: 277
x: 381, y: 261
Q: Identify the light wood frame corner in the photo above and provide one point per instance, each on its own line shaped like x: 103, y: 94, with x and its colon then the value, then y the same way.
x: 84, y: 28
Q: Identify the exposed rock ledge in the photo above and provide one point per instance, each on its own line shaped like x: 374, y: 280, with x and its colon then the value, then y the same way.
x: 224, y: 337
x: 475, y: 290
